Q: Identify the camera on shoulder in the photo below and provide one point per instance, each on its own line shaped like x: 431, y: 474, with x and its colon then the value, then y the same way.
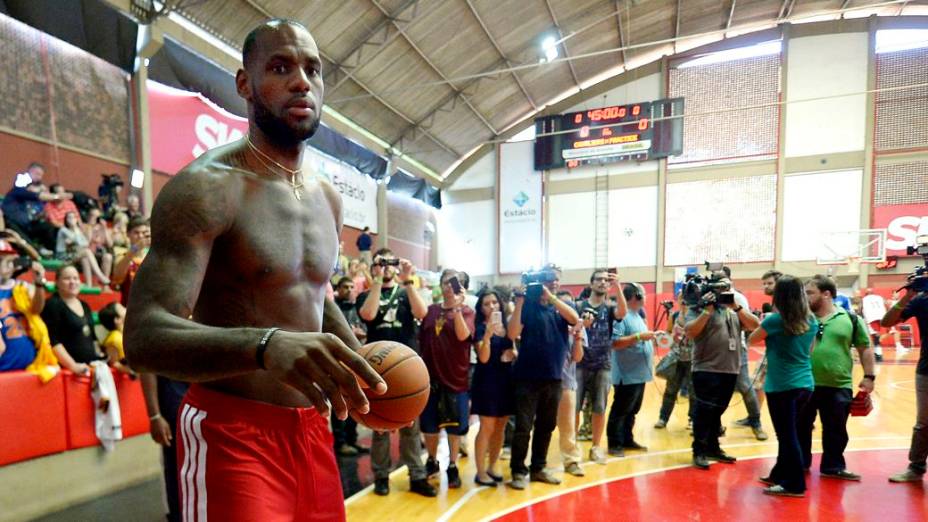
x: 697, y: 288
x: 918, y: 279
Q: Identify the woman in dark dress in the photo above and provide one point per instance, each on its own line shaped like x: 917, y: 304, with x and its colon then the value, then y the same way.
x: 491, y: 390
x: 70, y: 323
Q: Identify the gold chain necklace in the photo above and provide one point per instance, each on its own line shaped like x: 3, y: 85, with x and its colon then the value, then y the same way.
x: 297, y: 187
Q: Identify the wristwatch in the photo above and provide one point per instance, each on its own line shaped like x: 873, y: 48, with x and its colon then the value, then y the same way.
x: 738, y: 310
x: 871, y: 377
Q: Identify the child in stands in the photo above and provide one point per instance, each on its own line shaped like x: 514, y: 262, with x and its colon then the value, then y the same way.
x: 113, y: 317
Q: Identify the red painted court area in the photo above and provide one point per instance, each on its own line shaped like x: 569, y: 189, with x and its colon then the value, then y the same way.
x: 732, y: 492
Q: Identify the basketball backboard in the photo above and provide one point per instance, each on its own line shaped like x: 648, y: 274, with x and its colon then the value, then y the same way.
x: 863, y: 246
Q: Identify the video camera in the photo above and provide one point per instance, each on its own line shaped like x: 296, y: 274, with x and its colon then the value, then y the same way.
x: 918, y: 279
x: 108, y: 192
x: 668, y: 305
x: 385, y: 262
x: 696, y: 286
x: 534, y: 280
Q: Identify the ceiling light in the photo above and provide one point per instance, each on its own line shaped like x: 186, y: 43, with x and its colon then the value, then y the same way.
x: 549, y: 49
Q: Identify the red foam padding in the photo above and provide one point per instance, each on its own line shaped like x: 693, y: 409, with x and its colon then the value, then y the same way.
x: 80, y: 415
x: 80, y: 411
x: 131, y: 405
x: 32, y: 417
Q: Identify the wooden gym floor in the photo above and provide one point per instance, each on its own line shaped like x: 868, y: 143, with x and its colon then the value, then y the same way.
x: 660, y: 483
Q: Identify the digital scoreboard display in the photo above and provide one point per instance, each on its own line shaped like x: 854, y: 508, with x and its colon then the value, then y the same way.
x: 609, y: 134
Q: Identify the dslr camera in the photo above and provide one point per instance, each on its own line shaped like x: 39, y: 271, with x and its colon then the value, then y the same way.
x: 697, y: 286
x: 534, y: 280
x: 918, y: 279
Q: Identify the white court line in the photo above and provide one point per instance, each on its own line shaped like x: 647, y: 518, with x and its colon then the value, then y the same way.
x: 457, y: 505
x: 648, y: 472
x: 895, y: 384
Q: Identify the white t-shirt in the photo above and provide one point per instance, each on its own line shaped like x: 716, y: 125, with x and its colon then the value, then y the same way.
x: 874, y: 307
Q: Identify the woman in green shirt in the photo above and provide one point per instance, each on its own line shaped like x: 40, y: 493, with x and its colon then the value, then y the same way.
x: 789, y: 334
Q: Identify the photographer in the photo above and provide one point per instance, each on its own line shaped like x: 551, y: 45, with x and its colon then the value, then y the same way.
x: 543, y: 321
x: 444, y: 341
x: 390, y: 313
x: 914, y: 303
x: 594, y: 371
x: 632, y: 356
x: 683, y: 346
x: 744, y: 385
x: 716, y: 332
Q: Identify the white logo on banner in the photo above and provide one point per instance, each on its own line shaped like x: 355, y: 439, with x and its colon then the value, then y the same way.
x: 903, y: 231
x: 212, y: 133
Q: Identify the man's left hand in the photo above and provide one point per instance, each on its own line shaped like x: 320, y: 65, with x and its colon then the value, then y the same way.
x: 866, y: 385
x: 407, y: 269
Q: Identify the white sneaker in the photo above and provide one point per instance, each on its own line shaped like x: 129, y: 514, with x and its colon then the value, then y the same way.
x: 597, y: 455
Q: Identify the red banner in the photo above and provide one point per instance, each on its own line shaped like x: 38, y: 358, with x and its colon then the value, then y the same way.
x: 903, y: 223
x: 184, y: 125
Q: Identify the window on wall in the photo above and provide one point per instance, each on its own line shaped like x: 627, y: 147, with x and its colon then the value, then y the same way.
x: 833, y: 198
x: 731, y: 220
x: 901, y: 113
x: 712, y: 132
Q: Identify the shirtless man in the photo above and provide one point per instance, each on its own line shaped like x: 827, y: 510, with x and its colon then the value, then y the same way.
x: 242, y: 246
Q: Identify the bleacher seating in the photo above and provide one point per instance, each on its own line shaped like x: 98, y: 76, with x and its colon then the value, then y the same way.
x: 40, y: 419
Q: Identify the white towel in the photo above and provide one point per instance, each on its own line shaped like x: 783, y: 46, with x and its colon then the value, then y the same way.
x: 108, y: 421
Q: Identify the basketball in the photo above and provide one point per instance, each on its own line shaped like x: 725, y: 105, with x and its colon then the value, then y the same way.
x: 407, y: 386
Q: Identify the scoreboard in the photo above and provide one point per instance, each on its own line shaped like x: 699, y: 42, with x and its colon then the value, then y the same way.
x: 609, y: 134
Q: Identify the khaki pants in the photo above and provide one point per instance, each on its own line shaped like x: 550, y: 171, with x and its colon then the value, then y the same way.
x: 566, y: 428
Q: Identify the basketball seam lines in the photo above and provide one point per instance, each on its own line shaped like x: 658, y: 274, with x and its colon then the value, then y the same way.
x: 397, y: 363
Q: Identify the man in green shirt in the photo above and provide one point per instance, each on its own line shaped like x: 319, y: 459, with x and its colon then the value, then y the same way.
x: 832, y: 366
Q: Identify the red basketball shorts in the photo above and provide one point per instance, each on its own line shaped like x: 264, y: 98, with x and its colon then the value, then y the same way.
x: 248, y: 460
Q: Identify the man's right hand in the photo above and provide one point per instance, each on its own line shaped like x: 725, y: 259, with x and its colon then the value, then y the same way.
x: 160, y: 431
x: 320, y: 365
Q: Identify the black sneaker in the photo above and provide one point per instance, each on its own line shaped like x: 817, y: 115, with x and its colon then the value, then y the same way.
x: 721, y: 456
x: 431, y: 467
x: 382, y: 487
x: 361, y: 449
x: 423, y: 488
x: 454, y: 479
x: 700, y: 462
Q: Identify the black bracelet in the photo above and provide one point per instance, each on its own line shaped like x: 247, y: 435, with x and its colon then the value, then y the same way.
x: 871, y: 377
x: 262, y: 346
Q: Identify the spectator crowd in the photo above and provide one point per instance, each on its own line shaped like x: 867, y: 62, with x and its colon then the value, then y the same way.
x: 522, y: 360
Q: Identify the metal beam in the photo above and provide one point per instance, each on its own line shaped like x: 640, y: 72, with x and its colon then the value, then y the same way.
x: 731, y: 14
x: 353, y: 58
x: 457, y: 92
x: 502, y: 56
x: 618, y: 26
x: 560, y: 36
x: 785, y: 9
x: 447, y: 148
x: 676, y: 25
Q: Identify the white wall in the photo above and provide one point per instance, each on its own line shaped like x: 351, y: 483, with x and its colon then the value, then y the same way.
x: 572, y: 230
x: 467, y: 237
x: 481, y: 174
x: 814, y: 204
x: 824, y: 66
x: 633, y: 226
